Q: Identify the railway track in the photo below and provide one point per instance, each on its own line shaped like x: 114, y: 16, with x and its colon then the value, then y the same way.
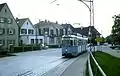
x: 61, y: 68
x: 58, y: 70
x: 32, y: 72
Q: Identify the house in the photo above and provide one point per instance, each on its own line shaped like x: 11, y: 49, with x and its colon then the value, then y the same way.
x: 85, y: 31
x: 90, y: 32
x: 51, y: 31
x: 69, y: 29
x: 28, y: 32
x: 8, y: 28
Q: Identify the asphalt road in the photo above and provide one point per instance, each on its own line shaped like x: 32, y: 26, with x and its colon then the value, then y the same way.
x: 42, y: 63
x: 35, y: 62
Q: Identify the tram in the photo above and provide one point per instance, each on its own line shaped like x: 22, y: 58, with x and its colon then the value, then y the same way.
x: 73, y: 45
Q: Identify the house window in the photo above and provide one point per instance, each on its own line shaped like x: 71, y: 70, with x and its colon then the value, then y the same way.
x: 2, y: 20
x: 61, y: 32
x: 46, y: 30
x: 1, y: 42
x: 11, y: 42
x: 51, y: 32
x: 30, y: 31
x: 27, y: 23
x: 23, y: 31
x: 40, y: 32
x: 5, y: 10
x: 52, y: 40
x: 2, y: 30
x: 11, y: 31
x: 9, y: 20
x: 66, y: 31
x: 41, y: 41
x: 57, y: 32
x: 21, y: 42
x: 32, y: 41
x: 36, y: 41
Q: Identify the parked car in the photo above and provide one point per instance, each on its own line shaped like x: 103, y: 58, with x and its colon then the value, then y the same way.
x: 44, y: 46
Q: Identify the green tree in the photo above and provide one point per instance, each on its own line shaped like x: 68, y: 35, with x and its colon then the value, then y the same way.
x: 109, y: 39
x: 116, y: 29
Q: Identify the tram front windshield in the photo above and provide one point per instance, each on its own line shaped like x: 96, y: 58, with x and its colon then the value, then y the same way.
x: 67, y: 42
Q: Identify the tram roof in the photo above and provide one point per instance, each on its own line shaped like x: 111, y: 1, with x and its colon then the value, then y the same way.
x: 74, y: 36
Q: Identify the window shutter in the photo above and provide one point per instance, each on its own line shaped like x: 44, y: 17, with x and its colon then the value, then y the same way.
x: 13, y: 31
x: 3, y: 42
x: 7, y: 31
x: 3, y: 30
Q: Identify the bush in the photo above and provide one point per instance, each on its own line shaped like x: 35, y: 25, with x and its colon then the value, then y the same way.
x: 53, y: 46
x: 24, y: 48
x: 36, y: 48
x: 3, y: 52
x: 27, y: 48
x: 17, y: 49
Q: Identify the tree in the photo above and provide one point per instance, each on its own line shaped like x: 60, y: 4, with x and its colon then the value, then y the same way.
x: 109, y: 39
x: 116, y: 29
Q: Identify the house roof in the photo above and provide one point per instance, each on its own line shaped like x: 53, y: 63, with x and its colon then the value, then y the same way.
x: 2, y: 5
x: 20, y: 22
x: 66, y: 26
x: 48, y: 24
x: 85, y: 30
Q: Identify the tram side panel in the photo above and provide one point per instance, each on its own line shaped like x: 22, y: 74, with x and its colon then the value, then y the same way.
x: 69, y: 50
x: 79, y: 49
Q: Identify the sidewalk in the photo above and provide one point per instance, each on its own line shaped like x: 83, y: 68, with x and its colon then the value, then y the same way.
x: 113, y: 52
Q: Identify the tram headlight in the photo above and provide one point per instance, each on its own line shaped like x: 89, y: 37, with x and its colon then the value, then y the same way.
x: 66, y: 50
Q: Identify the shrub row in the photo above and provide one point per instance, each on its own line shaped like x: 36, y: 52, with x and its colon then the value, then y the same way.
x: 54, y: 46
x: 24, y: 48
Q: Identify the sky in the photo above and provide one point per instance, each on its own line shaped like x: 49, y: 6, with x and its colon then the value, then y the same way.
x: 66, y: 11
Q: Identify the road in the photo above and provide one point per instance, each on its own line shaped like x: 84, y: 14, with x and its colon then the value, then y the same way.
x: 113, y: 52
x: 42, y: 63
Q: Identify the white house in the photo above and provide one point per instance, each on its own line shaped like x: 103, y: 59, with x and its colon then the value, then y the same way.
x: 27, y: 33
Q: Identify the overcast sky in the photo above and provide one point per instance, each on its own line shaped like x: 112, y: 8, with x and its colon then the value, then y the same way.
x: 68, y: 11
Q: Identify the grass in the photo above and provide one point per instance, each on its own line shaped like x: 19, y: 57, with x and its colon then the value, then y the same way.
x: 109, y: 63
x: 86, y: 70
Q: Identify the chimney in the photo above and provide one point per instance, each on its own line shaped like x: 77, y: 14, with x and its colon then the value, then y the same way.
x: 45, y: 20
x: 16, y: 18
x: 56, y: 22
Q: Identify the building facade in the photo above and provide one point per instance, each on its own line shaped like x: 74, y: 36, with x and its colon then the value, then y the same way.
x: 8, y: 28
x: 28, y: 32
x: 51, y: 31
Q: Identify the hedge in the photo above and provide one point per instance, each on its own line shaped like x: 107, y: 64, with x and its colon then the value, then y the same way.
x: 24, y: 48
x: 54, y: 46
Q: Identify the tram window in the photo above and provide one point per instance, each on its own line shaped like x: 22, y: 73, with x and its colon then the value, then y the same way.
x: 71, y: 42
x: 65, y: 42
x: 75, y: 42
x: 79, y: 42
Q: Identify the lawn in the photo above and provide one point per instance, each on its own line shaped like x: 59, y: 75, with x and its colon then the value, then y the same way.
x: 109, y: 63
